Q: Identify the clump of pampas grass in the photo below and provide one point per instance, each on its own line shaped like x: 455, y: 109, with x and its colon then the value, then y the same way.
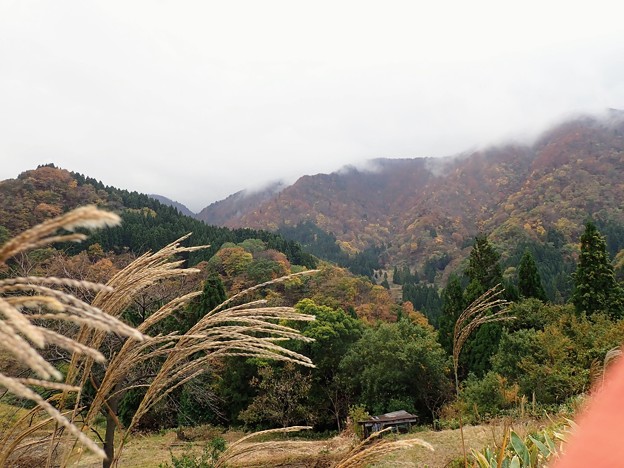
x: 248, y: 329
x: 234, y: 328
x: 375, y: 447
x: 28, y: 303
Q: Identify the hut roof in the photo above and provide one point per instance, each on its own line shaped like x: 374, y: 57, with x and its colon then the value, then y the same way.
x: 394, y: 417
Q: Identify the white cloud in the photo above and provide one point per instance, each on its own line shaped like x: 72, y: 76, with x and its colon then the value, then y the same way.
x: 198, y: 99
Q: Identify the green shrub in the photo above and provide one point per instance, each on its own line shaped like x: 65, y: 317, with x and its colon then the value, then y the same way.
x: 357, y: 413
x: 207, y: 459
x: 489, y: 395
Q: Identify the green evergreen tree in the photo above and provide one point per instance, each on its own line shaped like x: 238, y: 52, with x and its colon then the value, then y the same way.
x: 396, y: 277
x: 529, y: 280
x: 595, y: 286
x: 407, y: 277
x: 484, y: 272
x: 483, y: 267
x: 425, y: 299
x: 212, y: 295
x: 452, y: 306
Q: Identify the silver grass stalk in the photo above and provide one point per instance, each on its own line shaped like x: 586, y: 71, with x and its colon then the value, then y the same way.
x: 242, y: 330
x: 28, y: 301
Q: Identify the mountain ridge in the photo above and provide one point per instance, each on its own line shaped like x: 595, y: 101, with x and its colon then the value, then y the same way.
x: 177, y: 205
x: 421, y: 212
x: 230, y: 208
x: 430, y: 207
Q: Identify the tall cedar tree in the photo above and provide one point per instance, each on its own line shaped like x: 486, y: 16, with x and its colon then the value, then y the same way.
x: 483, y: 268
x: 396, y: 278
x: 484, y: 273
x: 529, y: 280
x: 212, y: 295
x: 452, y: 306
x: 595, y: 286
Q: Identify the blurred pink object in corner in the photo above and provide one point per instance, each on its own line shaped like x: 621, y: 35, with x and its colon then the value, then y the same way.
x: 599, y: 439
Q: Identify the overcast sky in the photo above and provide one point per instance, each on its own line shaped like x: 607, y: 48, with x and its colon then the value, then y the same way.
x: 195, y: 100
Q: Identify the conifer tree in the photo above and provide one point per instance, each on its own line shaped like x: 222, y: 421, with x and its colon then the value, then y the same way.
x: 396, y: 278
x: 595, y: 286
x: 529, y: 280
x: 483, y: 267
x: 484, y: 273
x: 452, y: 306
x: 212, y: 295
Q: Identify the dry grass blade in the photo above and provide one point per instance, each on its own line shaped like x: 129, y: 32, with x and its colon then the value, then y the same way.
x: 373, y: 447
x: 12, y: 442
x: 167, y: 310
x: 234, y: 450
x: 476, y: 314
x: 241, y: 330
x: 380, y: 449
x: 144, y: 271
x: 22, y: 391
x: 24, y: 353
x: 368, y: 441
x: 59, y: 282
x: 611, y: 355
x: 22, y: 336
x: 48, y: 384
x: 15, y: 320
x: 87, y: 217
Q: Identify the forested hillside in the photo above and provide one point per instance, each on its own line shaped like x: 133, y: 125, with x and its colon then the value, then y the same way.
x: 39, y: 194
x: 427, y: 211
x: 225, y: 211
x: 177, y: 205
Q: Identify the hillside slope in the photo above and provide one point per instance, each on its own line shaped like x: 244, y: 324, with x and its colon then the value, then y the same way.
x: 427, y: 208
x: 47, y: 191
x: 177, y: 205
x: 226, y: 211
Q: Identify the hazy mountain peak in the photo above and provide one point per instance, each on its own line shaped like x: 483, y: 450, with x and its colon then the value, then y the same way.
x: 225, y: 211
x: 177, y: 205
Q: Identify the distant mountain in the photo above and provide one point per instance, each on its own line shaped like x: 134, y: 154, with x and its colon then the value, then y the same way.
x: 177, y: 205
x: 227, y: 211
x: 426, y: 209
x: 40, y: 194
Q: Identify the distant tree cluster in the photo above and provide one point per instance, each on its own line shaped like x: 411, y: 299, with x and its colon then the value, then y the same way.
x: 325, y: 245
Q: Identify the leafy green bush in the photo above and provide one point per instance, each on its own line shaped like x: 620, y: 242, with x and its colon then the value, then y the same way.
x: 357, y: 413
x: 556, y: 362
x: 489, y: 395
x: 207, y: 459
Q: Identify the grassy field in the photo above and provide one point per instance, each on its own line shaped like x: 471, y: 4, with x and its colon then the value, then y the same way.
x: 144, y: 451
x: 150, y: 450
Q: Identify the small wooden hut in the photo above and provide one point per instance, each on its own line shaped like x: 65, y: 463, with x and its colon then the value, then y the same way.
x: 400, y: 421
